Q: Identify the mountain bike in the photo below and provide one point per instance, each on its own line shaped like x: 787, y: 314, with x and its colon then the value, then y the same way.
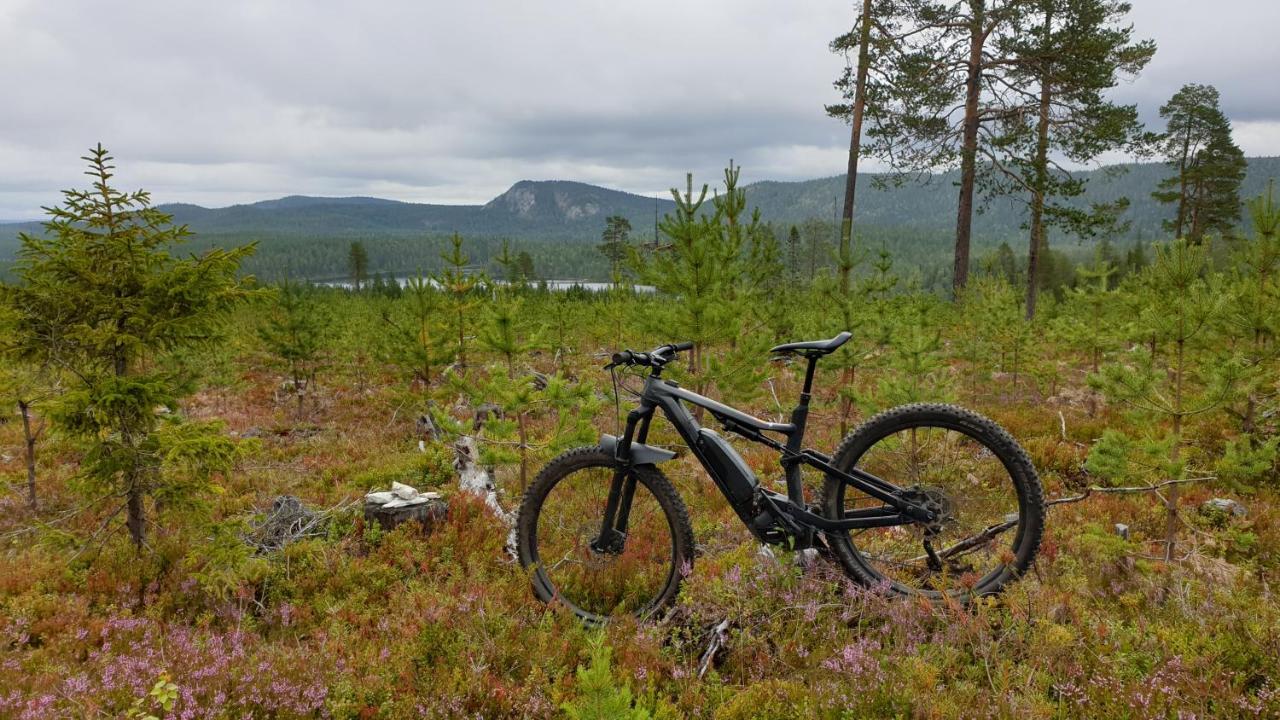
x: 921, y: 500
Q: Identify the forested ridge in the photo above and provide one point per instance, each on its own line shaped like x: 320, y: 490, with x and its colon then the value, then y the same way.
x: 308, y: 237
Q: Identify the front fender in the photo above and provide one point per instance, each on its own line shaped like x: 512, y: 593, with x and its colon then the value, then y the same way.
x: 641, y: 454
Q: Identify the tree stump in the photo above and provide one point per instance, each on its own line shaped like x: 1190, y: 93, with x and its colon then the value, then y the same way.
x: 427, y: 513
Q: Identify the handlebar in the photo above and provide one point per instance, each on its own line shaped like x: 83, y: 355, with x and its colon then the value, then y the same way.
x: 655, y: 358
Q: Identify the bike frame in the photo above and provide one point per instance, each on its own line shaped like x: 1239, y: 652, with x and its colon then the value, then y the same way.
x: 767, y: 509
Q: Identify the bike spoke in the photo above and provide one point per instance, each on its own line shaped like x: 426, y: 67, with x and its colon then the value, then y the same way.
x: 621, y: 579
x: 960, y: 473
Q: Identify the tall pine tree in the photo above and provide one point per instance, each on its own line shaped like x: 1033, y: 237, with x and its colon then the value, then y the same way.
x: 358, y: 264
x: 1071, y: 53
x: 946, y: 77
x: 1197, y: 144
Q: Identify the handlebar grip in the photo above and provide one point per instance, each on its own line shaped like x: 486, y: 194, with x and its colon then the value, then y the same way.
x: 681, y: 347
x: 622, y: 358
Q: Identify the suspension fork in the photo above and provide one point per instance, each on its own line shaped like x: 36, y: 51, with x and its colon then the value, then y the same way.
x: 622, y: 488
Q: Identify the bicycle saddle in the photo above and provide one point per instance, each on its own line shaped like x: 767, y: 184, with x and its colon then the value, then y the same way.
x: 814, y: 347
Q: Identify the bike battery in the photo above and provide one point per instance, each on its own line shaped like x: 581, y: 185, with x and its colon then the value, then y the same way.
x: 728, y: 467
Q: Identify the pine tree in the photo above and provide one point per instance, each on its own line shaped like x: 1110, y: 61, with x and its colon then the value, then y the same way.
x: 990, y: 330
x: 1087, y: 316
x: 861, y: 88
x: 414, y: 340
x: 793, y: 251
x: 1054, y: 105
x: 103, y: 301
x: 26, y: 388
x: 1209, y: 166
x: 706, y: 265
x: 1003, y: 264
x: 523, y: 269
x: 772, y: 295
x: 358, y: 264
x: 458, y: 286
x: 614, y: 244
x: 945, y: 82
x: 914, y: 367
x: 1253, y: 313
x: 502, y: 333
x: 1168, y: 385
x: 1135, y: 259
x: 815, y: 235
x: 296, y: 333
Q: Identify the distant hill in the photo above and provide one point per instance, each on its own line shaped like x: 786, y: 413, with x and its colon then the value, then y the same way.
x: 307, y: 236
x: 932, y: 204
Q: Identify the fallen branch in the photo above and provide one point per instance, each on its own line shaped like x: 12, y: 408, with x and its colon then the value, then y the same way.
x: 288, y: 521
x: 476, y: 480
x: 719, y: 639
x: 1151, y: 488
x: 49, y: 524
x: 991, y: 532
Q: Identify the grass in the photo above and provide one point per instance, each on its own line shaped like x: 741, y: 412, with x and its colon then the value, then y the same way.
x: 366, y: 624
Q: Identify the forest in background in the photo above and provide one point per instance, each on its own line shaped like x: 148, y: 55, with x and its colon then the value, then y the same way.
x: 309, y: 238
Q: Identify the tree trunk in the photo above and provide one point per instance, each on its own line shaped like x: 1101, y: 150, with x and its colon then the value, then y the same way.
x: 30, y: 437
x: 524, y: 450
x: 969, y: 148
x: 136, y: 519
x: 855, y: 148
x: 424, y: 337
x: 1171, y: 502
x: 846, y: 402
x: 1182, y: 180
x: 1042, y: 182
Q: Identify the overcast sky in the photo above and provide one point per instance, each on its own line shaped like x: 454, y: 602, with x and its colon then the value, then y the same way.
x: 232, y: 101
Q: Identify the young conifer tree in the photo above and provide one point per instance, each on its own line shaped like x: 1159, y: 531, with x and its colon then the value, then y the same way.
x: 296, y: 333
x: 25, y: 387
x: 102, y: 299
x: 868, y: 312
x: 1253, y: 314
x: 415, y: 340
x: 1168, y: 384
x: 708, y: 265
x: 691, y: 267
x: 458, y: 285
x: 503, y: 333
x: 1087, y: 316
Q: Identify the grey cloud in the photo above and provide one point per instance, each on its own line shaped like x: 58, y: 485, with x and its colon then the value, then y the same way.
x: 452, y: 102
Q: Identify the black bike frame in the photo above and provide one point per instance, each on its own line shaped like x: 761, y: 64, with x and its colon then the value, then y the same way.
x: 789, y: 510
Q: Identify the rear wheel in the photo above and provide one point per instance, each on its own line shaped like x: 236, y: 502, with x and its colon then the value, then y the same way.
x: 560, y: 520
x: 964, y: 466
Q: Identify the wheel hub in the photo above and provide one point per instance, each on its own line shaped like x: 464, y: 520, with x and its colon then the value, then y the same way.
x: 936, y: 501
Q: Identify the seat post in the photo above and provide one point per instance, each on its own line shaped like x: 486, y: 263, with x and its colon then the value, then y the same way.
x: 808, y: 378
x: 800, y: 415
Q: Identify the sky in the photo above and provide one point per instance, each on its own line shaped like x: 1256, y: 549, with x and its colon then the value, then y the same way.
x: 217, y: 103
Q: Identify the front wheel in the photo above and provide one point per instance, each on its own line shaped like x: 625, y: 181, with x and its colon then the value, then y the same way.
x: 961, y: 463
x: 637, y: 572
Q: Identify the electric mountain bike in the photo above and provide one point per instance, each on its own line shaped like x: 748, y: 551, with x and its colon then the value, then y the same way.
x: 925, y: 499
